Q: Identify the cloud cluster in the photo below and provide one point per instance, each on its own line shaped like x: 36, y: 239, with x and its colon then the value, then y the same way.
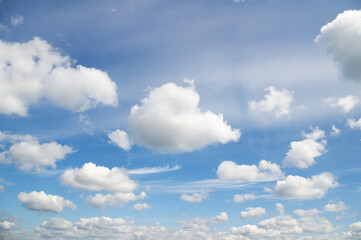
x: 34, y: 70
x: 342, y: 38
x: 42, y: 202
x: 275, y: 101
x: 302, y: 153
x: 195, y: 197
x: 16, y: 20
x: 169, y: 120
x: 265, y: 171
x: 296, y: 187
x: 253, y: 212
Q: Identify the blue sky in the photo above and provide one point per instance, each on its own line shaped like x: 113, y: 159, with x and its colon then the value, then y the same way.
x: 180, y: 119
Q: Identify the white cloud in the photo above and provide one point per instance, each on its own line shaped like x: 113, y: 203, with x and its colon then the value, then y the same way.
x: 284, y: 224
x: 34, y: 70
x: 296, y: 187
x: 4, y: 224
x: 169, y: 120
x: 120, y: 138
x: 202, y: 224
x: 238, y: 198
x: 253, y: 212
x: 342, y: 38
x: 265, y: 171
x: 276, y: 102
x: 195, y: 197
x: 27, y: 153
x: 140, y: 206
x: 336, y: 207
x: 302, y: 153
x: 280, y: 208
x: 16, y: 20
x: 42, y: 202
x: 352, y: 123
x: 346, y: 103
x: 97, y: 178
x: 151, y: 170
x: 118, y: 199
x: 335, y: 131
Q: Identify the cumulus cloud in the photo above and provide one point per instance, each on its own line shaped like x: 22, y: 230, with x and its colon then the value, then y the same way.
x: 140, y: 206
x: 253, y: 212
x: 16, y: 20
x: 336, y: 207
x: 302, y: 153
x: 346, y: 103
x: 118, y: 199
x: 120, y: 139
x: 283, y: 224
x: 4, y: 224
x: 353, y: 124
x: 42, y: 202
x: 27, y: 153
x: 169, y: 120
x: 238, y: 198
x: 202, y: 224
x: 34, y: 70
x: 97, y: 178
x: 195, y: 197
x: 342, y: 38
x: 280, y: 208
x: 275, y: 101
x: 355, y: 231
x: 296, y: 187
x: 265, y: 171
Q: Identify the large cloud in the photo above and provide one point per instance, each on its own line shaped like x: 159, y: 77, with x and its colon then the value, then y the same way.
x: 265, y: 171
x: 302, y: 153
x: 169, y: 120
x: 42, y: 202
x: 353, y: 124
x: 121, y: 139
x: 98, y: 178
x: 296, y: 187
x: 342, y: 38
x: 33, y: 70
x: 335, y: 207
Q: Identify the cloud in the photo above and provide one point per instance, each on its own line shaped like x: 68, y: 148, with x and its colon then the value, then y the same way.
x: 302, y: 153
x: 355, y: 232
x: 97, y: 178
x: 238, y: 198
x: 254, y: 232
x: 42, y: 202
x: 280, y: 208
x: 283, y: 224
x: 342, y: 38
x: 16, y: 20
x: 346, y: 103
x: 195, y: 197
x: 151, y: 170
x: 202, y: 224
x: 140, y: 206
x: 296, y: 187
x: 352, y: 123
x: 253, y: 212
x: 34, y: 70
x: 275, y: 102
x: 3, y: 28
x: 27, y: 153
x: 265, y: 171
x: 169, y: 120
x: 335, y: 131
x: 118, y: 199
x: 4, y: 224
x: 336, y: 207
x: 120, y: 139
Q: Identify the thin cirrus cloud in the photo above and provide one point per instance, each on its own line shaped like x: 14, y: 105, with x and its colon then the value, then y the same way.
x: 276, y: 102
x: 34, y: 70
x: 354, y: 124
x: 16, y: 20
x: 239, y: 198
x: 42, y: 202
x: 341, y: 39
x: 335, y: 207
x: 169, y: 120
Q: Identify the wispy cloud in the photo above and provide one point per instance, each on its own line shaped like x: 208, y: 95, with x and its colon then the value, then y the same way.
x: 151, y: 170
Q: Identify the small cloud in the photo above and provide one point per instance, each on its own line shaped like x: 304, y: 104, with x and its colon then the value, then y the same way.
x: 195, y: 197
x: 120, y: 138
x: 335, y: 131
x: 337, y: 207
x: 346, y: 103
x: 16, y: 20
x: 140, y: 206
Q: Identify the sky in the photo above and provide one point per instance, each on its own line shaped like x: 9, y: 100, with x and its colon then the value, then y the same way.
x: 232, y: 120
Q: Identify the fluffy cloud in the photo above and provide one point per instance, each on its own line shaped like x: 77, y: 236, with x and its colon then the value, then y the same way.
x: 302, y: 153
x: 118, y: 199
x: 120, y: 138
x: 195, y: 197
x: 342, y: 38
x: 352, y: 123
x: 311, y: 222
x: 280, y: 208
x: 265, y: 171
x: 16, y: 20
x: 169, y: 120
x: 28, y: 154
x: 97, y: 178
x: 336, y: 207
x: 33, y: 70
x: 202, y: 224
x: 296, y: 187
x: 140, y: 206
x: 277, y: 102
x: 335, y: 131
x: 4, y: 224
x: 283, y: 224
x: 253, y: 212
x: 238, y: 198
x: 355, y: 232
x: 254, y: 232
x: 42, y: 202
x: 346, y: 103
